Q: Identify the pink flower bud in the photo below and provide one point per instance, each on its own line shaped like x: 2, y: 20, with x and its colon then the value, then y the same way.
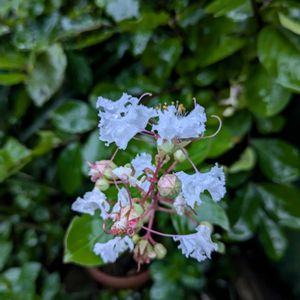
x: 169, y: 186
x: 102, y: 168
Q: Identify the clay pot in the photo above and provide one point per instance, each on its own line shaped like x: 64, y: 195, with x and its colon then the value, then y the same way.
x: 120, y: 282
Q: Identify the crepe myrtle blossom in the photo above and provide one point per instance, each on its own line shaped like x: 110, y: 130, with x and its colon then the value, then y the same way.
x: 111, y: 250
x: 193, y: 185
x: 90, y: 202
x: 148, y: 184
x: 197, y: 245
x: 121, y: 120
x: 176, y: 124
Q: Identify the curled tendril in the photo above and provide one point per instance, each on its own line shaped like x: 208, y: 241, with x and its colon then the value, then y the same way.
x: 217, y: 131
x: 144, y: 95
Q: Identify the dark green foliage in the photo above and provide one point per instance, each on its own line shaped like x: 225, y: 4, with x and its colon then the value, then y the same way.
x: 239, y: 58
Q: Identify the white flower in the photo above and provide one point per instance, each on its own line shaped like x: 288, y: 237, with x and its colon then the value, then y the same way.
x: 179, y: 204
x: 193, y: 185
x: 121, y: 120
x: 172, y: 124
x: 90, y: 202
x: 141, y: 162
x: 197, y: 245
x: 123, y: 200
x: 111, y: 250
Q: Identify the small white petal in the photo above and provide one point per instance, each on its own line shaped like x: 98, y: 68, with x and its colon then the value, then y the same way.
x: 112, y: 249
x: 179, y: 204
x: 121, y: 120
x: 173, y: 125
x: 193, y: 185
x: 123, y: 200
x: 141, y: 162
x: 197, y: 245
x: 90, y: 202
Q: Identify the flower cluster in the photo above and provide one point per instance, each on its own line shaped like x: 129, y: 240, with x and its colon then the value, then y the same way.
x: 152, y: 180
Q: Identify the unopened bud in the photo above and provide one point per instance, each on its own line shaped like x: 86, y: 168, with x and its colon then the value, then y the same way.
x: 166, y: 147
x: 100, y: 169
x: 179, y: 155
x: 135, y: 238
x: 102, y: 184
x: 169, y: 186
x: 160, y: 250
x: 207, y: 224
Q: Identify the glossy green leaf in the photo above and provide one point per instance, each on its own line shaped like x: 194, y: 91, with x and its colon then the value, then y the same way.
x: 280, y: 57
x: 5, y: 250
x: 278, y: 160
x: 82, y: 235
x: 74, y: 117
x: 289, y: 23
x: 270, y: 125
x: 47, y: 74
x: 94, y: 150
x: 121, y: 10
x: 11, y: 78
x: 12, y: 60
x: 69, y: 165
x: 46, y: 142
x: 282, y: 202
x: 51, y: 287
x: 246, y: 161
x: 264, y: 96
x: 13, y: 157
x: 272, y: 239
x: 210, y: 211
x: 22, y: 280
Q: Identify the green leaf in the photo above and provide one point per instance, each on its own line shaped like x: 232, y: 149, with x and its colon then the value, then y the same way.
x: 236, y: 9
x: 216, y: 49
x: 10, y: 60
x: 210, y: 211
x: 270, y: 125
x: 282, y: 202
x: 245, y: 162
x: 47, y: 74
x: 278, y: 160
x: 11, y: 78
x: 51, y: 287
x: 23, y: 279
x: 264, y: 96
x: 272, y: 238
x: 74, y: 117
x: 121, y: 10
x: 46, y: 142
x: 280, y: 57
x: 82, y: 235
x: 289, y: 23
x: 5, y: 249
x: 13, y: 157
x: 244, y: 213
x: 94, y: 150
x: 79, y: 72
x: 69, y: 168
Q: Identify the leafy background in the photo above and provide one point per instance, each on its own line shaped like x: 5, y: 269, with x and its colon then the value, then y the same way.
x: 239, y: 58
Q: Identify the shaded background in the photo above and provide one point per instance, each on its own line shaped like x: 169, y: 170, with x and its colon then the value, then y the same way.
x: 239, y: 58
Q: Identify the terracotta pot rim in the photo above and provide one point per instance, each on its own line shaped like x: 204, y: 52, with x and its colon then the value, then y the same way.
x: 120, y: 282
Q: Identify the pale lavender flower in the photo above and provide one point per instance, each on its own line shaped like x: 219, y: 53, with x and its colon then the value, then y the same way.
x: 193, y: 185
x: 112, y: 249
x: 197, y: 245
x: 121, y: 120
x: 123, y: 200
x: 179, y: 204
x: 172, y: 124
x: 141, y: 162
x: 90, y: 202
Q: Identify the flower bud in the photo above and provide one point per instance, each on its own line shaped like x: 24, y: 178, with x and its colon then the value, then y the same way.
x: 102, y: 184
x: 160, y: 250
x: 102, y: 168
x: 143, y: 252
x: 136, y: 238
x: 179, y: 156
x: 166, y: 148
x: 207, y: 224
x: 169, y: 186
